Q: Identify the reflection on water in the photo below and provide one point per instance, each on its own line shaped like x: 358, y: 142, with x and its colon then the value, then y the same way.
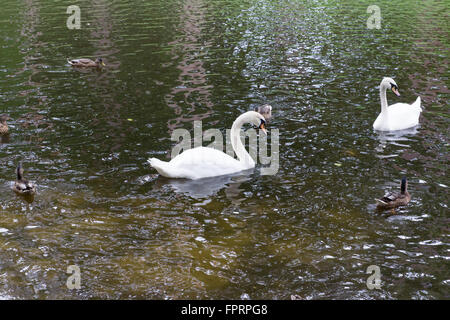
x: 399, y: 135
x: 192, y: 87
x: 4, y: 138
x: 208, y: 187
x: 310, y: 230
x: 397, y: 138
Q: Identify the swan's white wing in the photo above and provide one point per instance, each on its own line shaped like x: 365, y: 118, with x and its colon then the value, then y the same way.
x: 405, y: 109
x: 199, y: 163
x: 403, y: 115
x: 202, y: 155
x: 399, y: 116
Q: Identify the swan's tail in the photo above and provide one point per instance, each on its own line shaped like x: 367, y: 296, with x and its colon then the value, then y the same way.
x: 417, y: 103
x: 161, y: 166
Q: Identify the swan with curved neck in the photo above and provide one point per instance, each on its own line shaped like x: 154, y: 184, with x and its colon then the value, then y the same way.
x: 398, y: 116
x: 203, y: 162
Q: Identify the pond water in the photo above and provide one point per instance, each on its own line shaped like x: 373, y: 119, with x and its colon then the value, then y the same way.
x: 311, y: 229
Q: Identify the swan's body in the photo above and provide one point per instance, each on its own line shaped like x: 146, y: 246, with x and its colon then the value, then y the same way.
x: 199, y: 163
x: 398, y: 116
x: 205, y: 162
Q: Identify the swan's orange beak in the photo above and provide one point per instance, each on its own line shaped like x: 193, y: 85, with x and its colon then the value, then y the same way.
x: 395, y: 90
x: 261, y: 126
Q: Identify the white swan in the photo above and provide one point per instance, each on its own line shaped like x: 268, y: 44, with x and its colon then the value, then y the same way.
x: 202, y: 162
x: 398, y: 116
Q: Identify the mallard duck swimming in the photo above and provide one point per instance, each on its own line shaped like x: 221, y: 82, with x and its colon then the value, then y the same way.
x: 395, y: 199
x: 23, y: 186
x: 3, y: 125
x: 84, y: 62
x: 265, y: 110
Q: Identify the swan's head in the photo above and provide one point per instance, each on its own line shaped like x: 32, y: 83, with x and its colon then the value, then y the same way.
x: 258, y: 120
x: 252, y: 117
x: 389, y: 83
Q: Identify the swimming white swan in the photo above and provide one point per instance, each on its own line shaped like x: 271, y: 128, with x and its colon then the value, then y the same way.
x: 399, y: 116
x: 202, y: 162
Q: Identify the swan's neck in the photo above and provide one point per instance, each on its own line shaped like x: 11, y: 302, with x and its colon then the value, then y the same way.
x: 237, y: 145
x: 383, y: 99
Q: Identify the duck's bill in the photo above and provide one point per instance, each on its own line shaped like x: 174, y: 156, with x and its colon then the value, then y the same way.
x: 103, y: 64
x: 395, y: 90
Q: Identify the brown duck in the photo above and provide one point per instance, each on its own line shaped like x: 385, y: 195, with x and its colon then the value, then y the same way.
x: 395, y: 199
x: 23, y: 186
x: 3, y: 125
x: 87, y: 63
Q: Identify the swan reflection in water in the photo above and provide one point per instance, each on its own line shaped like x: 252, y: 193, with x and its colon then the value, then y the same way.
x: 207, y: 187
x: 397, y: 138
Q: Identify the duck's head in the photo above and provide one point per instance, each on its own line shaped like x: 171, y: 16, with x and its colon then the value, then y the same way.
x: 100, y: 62
x: 389, y: 83
x: 3, y: 119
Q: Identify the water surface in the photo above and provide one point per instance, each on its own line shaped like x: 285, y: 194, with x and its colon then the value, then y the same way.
x: 311, y: 229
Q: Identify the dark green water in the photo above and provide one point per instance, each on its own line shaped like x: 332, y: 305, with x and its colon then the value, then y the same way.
x: 311, y: 229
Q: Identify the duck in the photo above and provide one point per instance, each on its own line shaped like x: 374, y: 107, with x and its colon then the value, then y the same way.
x: 265, y: 110
x: 395, y: 199
x: 21, y: 185
x: 204, y: 162
x: 4, y: 130
x: 84, y: 62
x: 398, y: 116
